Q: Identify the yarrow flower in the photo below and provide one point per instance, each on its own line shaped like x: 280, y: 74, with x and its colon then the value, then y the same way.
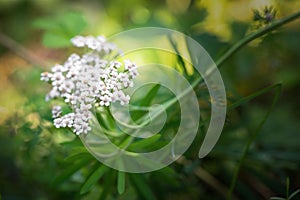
x: 88, y: 80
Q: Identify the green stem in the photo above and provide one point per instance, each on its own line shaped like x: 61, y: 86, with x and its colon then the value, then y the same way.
x: 227, y: 55
x: 276, y: 24
x: 277, y: 88
x: 234, y: 49
x: 224, y: 58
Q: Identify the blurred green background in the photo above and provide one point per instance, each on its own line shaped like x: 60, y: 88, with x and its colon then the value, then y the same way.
x: 35, y: 34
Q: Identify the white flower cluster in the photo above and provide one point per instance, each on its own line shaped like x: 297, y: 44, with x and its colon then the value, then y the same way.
x: 86, y: 81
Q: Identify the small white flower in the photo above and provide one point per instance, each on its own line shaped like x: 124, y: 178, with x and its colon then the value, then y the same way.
x: 78, y: 41
x: 46, y: 76
x: 95, y: 87
x: 125, y: 100
x: 57, y: 122
x: 85, y: 107
x: 128, y: 65
x: 108, y: 47
x: 101, y: 39
x: 56, y: 111
x: 58, y: 69
x: 92, y: 43
x: 101, y: 63
x: 57, y: 79
x: 70, y: 98
x: 115, y: 64
x: 88, y: 81
x: 52, y: 94
x: 105, y: 100
x: 73, y: 57
x: 133, y: 73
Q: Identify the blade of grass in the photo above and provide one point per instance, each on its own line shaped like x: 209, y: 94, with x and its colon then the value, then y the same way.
x: 277, y: 88
x: 294, y: 194
x: 287, y: 189
x: 252, y: 96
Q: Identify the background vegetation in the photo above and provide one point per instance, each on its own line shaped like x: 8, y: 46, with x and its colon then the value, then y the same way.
x: 38, y: 161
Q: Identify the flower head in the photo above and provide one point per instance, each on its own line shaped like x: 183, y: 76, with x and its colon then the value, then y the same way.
x: 88, y: 81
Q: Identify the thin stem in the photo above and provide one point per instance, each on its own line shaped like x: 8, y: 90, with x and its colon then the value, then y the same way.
x: 231, y: 51
x: 224, y: 58
x: 276, y: 24
x: 251, y: 140
x: 19, y: 50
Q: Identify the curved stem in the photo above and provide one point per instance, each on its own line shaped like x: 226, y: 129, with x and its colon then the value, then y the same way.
x: 276, y: 24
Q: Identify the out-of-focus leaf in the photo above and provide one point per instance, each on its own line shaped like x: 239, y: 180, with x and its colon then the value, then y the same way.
x: 60, y: 29
x: 108, y: 181
x: 294, y: 194
x: 78, y: 156
x: 46, y: 24
x: 277, y: 88
x: 146, y: 101
x: 239, y: 30
x: 72, y: 144
x: 71, y: 170
x: 277, y: 198
x: 141, y: 144
x: 142, y: 187
x: 93, y: 178
x: 73, y: 22
x: 121, y: 182
x: 150, y: 95
x: 192, y: 17
x: 56, y: 40
x: 212, y: 44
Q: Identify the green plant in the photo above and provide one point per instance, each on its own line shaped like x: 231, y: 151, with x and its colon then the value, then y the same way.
x: 259, y: 145
x: 98, y: 171
x: 288, y: 195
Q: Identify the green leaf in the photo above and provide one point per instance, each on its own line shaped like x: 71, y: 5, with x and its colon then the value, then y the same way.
x: 277, y: 198
x: 146, y: 101
x: 78, y: 156
x: 294, y: 194
x: 181, y: 67
x: 56, y: 40
x: 121, y: 182
x: 47, y: 24
x: 150, y: 95
x: 101, y: 120
x: 71, y: 170
x: 277, y: 88
x: 93, y: 178
x: 73, y: 22
x: 108, y: 182
x: 141, y: 144
x: 141, y: 186
x: 73, y: 143
x: 60, y: 29
x: 287, y: 186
